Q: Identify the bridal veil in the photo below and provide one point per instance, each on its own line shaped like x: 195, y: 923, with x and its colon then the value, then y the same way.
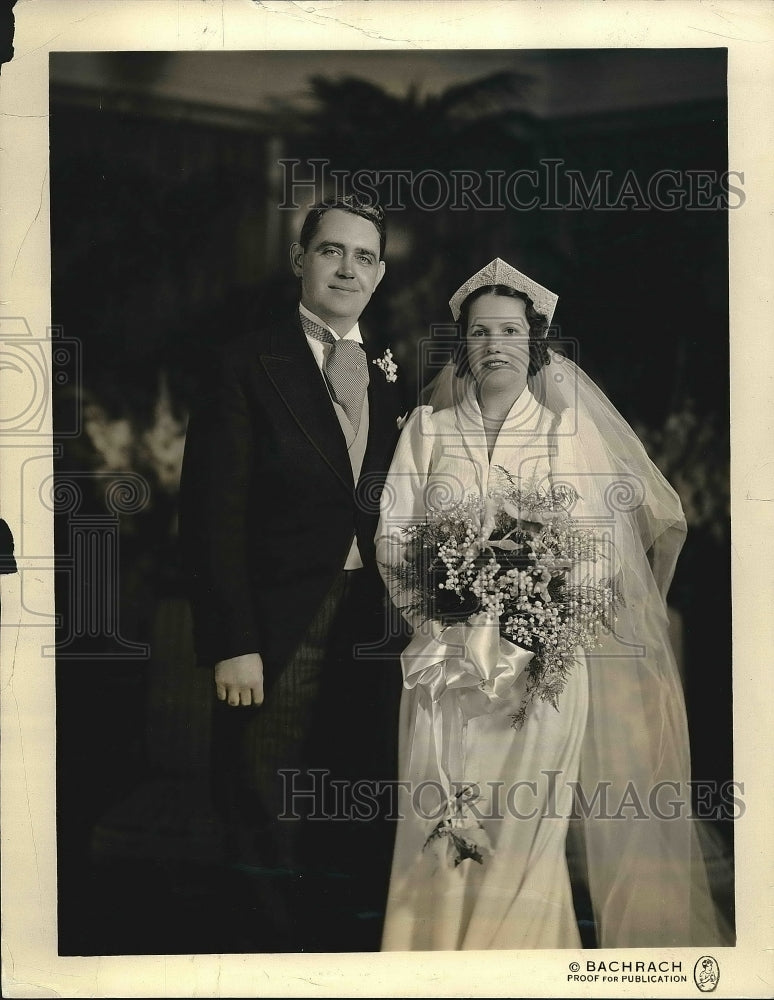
x: 646, y: 873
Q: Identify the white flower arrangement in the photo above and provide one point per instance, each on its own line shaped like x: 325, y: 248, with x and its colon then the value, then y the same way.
x: 387, y: 365
x: 514, y: 555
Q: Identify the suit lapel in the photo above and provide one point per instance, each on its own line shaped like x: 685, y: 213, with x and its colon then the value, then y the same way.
x: 382, y: 413
x: 293, y: 371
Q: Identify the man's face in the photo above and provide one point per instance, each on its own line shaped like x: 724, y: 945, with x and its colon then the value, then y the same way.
x: 340, y: 268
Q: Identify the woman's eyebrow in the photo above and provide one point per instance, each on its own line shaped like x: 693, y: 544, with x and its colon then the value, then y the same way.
x: 499, y: 322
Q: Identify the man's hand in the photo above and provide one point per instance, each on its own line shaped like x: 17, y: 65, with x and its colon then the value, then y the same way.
x: 239, y: 680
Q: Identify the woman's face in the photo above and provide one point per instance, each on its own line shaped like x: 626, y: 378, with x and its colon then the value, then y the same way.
x: 498, y: 340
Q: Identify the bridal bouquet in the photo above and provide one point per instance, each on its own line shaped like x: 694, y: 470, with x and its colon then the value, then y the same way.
x: 515, y: 557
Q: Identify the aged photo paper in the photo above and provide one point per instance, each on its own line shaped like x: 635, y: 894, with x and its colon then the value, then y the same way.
x: 51, y: 220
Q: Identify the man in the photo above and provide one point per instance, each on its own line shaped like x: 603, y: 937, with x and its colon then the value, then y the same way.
x: 285, y: 459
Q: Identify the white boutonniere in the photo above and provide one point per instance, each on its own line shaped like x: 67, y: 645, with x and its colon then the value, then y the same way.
x: 401, y: 421
x: 387, y: 365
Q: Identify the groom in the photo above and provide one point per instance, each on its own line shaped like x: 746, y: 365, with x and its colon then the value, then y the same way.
x: 285, y: 459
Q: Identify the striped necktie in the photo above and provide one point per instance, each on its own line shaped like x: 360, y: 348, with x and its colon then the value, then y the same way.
x: 345, y: 369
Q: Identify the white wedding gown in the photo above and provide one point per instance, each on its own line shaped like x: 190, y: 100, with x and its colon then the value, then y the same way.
x: 520, y: 895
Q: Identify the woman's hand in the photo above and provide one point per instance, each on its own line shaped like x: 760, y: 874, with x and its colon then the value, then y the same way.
x: 239, y: 680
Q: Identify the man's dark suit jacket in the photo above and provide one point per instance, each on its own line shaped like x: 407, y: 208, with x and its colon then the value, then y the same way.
x: 268, y: 505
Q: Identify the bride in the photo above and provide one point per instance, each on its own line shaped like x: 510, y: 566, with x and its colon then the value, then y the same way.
x: 615, y: 754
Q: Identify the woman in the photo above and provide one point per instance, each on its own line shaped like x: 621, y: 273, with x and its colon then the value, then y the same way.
x: 509, y: 406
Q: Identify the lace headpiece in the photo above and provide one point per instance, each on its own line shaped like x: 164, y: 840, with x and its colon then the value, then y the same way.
x: 498, y: 272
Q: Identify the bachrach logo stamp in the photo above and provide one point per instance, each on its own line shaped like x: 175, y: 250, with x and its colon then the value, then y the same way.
x: 706, y: 974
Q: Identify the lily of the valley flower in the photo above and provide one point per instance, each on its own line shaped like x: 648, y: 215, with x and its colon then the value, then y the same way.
x: 464, y: 835
x: 388, y: 366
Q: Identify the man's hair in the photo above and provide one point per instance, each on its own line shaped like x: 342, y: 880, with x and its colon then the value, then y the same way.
x: 370, y: 211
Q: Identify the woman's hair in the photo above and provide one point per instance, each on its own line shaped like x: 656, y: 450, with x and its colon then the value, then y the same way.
x: 538, y: 325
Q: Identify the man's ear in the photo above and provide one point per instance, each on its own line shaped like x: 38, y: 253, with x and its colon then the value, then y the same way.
x: 297, y: 259
x: 380, y: 272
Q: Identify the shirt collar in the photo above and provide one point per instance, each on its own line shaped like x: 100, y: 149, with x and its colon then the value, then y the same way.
x: 352, y: 334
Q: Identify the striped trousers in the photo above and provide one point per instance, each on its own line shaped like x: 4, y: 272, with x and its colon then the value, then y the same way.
x: 288, y: 775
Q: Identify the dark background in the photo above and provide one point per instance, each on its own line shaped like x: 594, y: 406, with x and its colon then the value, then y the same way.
x: 166, y: 239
